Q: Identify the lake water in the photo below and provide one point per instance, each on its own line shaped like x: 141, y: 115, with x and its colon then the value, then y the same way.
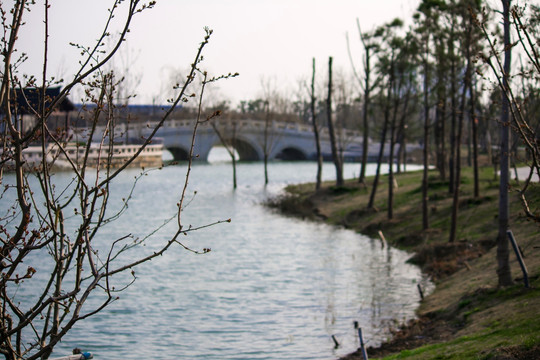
x: 271, y: 288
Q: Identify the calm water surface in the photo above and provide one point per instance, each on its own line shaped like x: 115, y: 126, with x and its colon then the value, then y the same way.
x: 271, y: 288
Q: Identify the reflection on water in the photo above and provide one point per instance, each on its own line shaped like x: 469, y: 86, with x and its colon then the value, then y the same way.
x: 272, y: 287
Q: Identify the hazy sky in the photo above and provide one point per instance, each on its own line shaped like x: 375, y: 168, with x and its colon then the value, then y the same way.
x: 271, y: 39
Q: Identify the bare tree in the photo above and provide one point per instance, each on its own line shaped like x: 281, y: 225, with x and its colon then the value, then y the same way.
x: 338, y: 161
x: 272, y: 104
x: 230, y: 127
x: 266, y: 142
x: 73, y: 262
x: 313, y: 112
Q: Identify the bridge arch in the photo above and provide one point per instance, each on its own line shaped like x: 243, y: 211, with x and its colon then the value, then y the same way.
x: 178, y: 153
x: 291, y: 153
x: 246, y: 150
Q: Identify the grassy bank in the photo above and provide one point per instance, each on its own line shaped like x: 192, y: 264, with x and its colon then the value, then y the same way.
x: 467, y: 316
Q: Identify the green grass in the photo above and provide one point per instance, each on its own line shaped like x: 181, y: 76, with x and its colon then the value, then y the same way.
x: 524, y: 334
x: 516, y: 325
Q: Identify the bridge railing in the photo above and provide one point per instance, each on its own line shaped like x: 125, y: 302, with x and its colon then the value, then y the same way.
x: 249, y: 124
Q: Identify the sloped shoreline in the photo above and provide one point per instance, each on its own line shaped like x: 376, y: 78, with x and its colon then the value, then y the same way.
x: 467, y: 313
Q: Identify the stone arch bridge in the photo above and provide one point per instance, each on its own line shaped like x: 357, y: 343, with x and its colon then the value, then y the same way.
x: 284, y: 140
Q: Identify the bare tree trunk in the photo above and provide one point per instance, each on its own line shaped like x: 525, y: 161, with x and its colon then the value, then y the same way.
x: 474, y: 123
x: 390, y: 210
x: 235, y: 185
x: 402, y: 152
x: 402, y: 136
x: 365, y: 140
x: 453, y: 113
x: 457, y: 179
x: 466, y: 87
x: 425, y: 198
x: 503, y: 251
x: 265, y: 145
x: 333, y: 141
x: 365, y: 114
x: 371, y: 202
x: 316, y: 131
x: 469, y: 143
x: 440, y: 114
x: 399, y: 157
x: 379, y: 162
x: 229, y: 147
x: 233, y: 156
x: 393, y: 140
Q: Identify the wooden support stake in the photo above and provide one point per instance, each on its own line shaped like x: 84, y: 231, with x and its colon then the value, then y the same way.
x: 519, y: 257
x: 364, y: 352
x: 420, y: 291
x: 381, y: 235
x: 362, y: 347
x: 336, y: 344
